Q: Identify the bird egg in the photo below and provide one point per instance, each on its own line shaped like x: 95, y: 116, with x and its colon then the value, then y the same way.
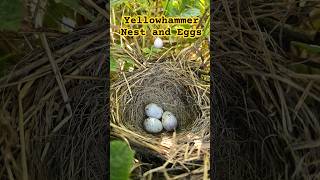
x: 169, y: 121
x: 152, y: 125
x: 158, y: 43
x: 153, y: 110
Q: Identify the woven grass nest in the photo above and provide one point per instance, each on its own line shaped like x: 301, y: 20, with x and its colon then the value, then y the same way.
x: 176, y: 88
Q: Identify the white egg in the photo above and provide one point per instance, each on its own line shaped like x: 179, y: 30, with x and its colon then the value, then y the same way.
x: 158, y: 43
x: 152, y: 125
x: 153, y: 110
x: 169, y: 121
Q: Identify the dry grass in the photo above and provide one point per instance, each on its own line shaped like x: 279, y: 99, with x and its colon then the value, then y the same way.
x: 175, y: 87
x: 269, y: 127
x: 53, y: 112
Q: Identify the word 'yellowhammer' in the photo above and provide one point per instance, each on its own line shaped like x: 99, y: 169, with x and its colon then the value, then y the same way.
x: 160, y: 20
x: 191, y: 33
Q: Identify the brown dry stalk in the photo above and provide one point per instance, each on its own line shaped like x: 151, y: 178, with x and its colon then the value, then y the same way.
x: 96, y: 7
x: 35, y: 108
x: 22, y: 93
x: 61, y: 87
x: 78, y: 47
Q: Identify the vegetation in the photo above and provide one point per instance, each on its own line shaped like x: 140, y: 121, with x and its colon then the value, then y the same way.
x: 265, y: 90
x: 121, y: 160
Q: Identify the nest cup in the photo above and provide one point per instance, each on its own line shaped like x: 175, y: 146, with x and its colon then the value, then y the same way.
x: 165, y: 88
x: 175, y: 88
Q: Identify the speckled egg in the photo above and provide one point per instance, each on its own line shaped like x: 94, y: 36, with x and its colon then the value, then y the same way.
x: 153, y: 110
x: 169, y: 121
x: 152, y: 125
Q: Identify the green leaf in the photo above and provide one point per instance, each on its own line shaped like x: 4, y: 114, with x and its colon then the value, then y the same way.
x: 121, y: 160
x: 128, y: 64
x: 155, y: 50
x: 151, y: 51
x: 203, y: 5
x: 10, y: 14
x: 206, y: 29
x: 308, y: 47
x: 191, y: 12
x: 113, y: 64
x: 116, y: 3
x: 146, y: 50
x: 172, y: 8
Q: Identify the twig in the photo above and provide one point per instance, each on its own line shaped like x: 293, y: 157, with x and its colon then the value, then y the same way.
x: 61, y: 87
x: 286, y: 81
x: 9, y: 171
x: 164, y: 54
x: 33, y: 109
x: 28, y: 42
x: 84, y: 77
x: 302, y: 99
x: 124, y: 76
x: 22, y: 140
x: 80, y: 46
x: 24, y: 80
x: 96, y: 7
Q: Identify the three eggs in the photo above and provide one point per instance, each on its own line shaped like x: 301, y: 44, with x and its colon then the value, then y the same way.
x: 153, y: 125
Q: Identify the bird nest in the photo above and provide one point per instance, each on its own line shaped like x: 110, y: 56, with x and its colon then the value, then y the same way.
x: 176, y: 88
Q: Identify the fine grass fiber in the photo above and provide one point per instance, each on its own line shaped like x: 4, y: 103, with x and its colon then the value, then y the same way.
x: 51, y: 127
x: 266, y: 110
